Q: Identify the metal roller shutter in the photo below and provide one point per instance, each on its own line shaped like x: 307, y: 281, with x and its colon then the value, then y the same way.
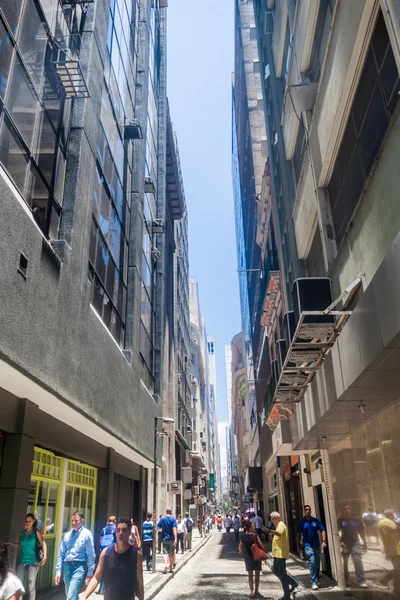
x: 123, y: 496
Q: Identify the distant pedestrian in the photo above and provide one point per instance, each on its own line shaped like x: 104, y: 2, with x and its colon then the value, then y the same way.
x: 159, y: 538
x: 28, y: 561
x: 169, y: 528
x: 280, y: 553
x: 236, y: 525
x: 253, y: 567
x: 200, y: 525
x: 147, y: 546
x: 107, y: 537
x: 76, y: 557
x: 351, y: 534
x: 258, y: 523
x: 120, y: 566
x: 189, y: 523
x: 228, y: 525
x: 134, y: 538
x: 309, y: 542
x: 181, y: 534
x: 11, y: 587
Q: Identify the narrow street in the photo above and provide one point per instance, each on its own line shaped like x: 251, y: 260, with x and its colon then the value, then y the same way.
x: 217, y: 571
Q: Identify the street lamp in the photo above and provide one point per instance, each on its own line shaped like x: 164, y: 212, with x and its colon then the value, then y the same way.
x: 156, y: 434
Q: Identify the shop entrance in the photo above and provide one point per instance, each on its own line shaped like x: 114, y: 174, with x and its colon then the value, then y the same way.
x: 293, y: 497
x: 58, y: 488
x: 320, y: 514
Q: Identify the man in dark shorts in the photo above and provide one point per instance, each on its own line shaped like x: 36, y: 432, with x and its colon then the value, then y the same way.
x: 120, y: 566
x: 169, y: 528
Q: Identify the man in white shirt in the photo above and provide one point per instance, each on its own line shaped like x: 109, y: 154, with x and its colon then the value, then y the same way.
x: 181, y: 534
x: 236, y: 525
x: 228, y: 525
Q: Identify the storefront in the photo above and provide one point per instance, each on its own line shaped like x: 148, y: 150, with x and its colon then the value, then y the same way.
x: 366, y: 479
x: 57, y: 489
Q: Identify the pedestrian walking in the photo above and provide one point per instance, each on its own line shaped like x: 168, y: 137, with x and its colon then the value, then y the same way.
x: 159, y: 537
x: 32, y: 554
x: 134, y: 538
x: 308, y: 540
x: 189, y: 523
x: 11, y: 587
x: 107, y: 537
x: 228, y: 525
x: 236, y: 525
x: 147, y: 546
x: 169, y: 528
x: 389, y: 535
x: 352, y: 542
x: 76, y: 557
x: 200, y: 525
x: 181, y: 534
x: 253, y: 567
x: 280, y: 553
x: 258, y: 523
x: 120, y: 566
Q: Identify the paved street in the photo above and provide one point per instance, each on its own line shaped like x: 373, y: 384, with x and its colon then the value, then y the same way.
x: 217, y: 571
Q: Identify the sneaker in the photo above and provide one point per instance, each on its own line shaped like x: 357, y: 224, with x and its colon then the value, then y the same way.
x: 314, y: 586
x: 363, y: 585
x: 293, y: 587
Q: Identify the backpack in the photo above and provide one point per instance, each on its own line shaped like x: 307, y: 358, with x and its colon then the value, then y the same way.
x: 107, y: 536
x: 189, y: 525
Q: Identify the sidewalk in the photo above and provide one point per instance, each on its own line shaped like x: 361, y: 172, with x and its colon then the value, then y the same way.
x: 328, y: 590
x: 153, y: 582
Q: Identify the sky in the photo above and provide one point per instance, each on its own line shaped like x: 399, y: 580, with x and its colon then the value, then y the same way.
x: 199, y: 66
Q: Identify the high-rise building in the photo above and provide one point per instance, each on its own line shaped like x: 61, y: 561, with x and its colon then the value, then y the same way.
x: 83, y: 184
x: 329, y: 84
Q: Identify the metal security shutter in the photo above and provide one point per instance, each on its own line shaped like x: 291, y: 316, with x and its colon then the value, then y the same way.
x: 123, y: 496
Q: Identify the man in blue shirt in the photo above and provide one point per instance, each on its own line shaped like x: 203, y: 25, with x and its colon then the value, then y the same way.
x: 169, y: 528
x: 76, y: 557
x: 147, y: 531
x: 308, y: 541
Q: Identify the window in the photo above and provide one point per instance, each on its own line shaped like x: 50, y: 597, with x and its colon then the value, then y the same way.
x: 373, y: 106
x: 298, y: 156
x: 320, y: 39
x: 315, y: 260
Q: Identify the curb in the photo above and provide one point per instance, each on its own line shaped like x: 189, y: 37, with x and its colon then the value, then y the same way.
x: 166, y: 578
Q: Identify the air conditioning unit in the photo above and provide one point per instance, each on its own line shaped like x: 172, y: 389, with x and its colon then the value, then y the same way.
x: 163, y: 3
x: 132, y: 130
x: 187, y: 474
x: 157, y: 226
x: 195, y: 490
x: 312, y: 293
x: 149, y: 187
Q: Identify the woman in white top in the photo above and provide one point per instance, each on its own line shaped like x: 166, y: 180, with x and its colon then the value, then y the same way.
x: 10, y: 586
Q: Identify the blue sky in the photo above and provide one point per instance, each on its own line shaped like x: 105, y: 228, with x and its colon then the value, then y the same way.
x: 200, y: 64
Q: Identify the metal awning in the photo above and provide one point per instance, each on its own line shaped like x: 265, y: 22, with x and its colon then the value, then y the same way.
x: 315, y: 335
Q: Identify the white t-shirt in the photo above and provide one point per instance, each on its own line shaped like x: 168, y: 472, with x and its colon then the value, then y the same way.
x: 236, y: 522
x: 228, y: 522
x: 181, y: 527
x: 10, y: 586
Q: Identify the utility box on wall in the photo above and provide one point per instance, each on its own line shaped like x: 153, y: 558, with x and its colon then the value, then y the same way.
x: 187, y: 474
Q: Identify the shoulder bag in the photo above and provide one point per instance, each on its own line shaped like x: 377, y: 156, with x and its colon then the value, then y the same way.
x: 257, y: 552
x: 39, y: 548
